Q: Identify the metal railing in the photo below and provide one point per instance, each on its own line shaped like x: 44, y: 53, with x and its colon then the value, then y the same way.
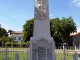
x: 14, y: 54
x: 24, y: 54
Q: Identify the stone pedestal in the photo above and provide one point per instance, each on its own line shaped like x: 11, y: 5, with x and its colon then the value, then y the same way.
x: 42, y: 49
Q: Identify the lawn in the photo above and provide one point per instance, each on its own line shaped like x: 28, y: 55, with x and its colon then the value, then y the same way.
x: 12, y: 51
x: 24, y: 54
x: 11, y: 55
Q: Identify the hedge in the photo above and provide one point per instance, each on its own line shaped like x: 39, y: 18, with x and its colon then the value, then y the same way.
x: 8, y: 44
x: 17, y: 44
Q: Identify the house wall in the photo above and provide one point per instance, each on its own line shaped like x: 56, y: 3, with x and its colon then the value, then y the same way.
x: 17, y: 37
x: 77, y: 39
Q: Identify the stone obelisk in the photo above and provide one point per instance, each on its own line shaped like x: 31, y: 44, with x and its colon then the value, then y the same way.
x: 41, y: 44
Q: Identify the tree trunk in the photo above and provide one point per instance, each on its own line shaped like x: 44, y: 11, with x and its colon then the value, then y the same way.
x: 2, y: 43
x: 67, y: 47
x: 21, y: 44
x: 12, y: 43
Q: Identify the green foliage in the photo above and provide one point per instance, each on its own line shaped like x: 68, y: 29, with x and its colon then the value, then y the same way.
x: 10, y: 38
x: 28, y: 30
x: 8, y: 44
x: 16, y: 44
x: 24, y: 44
x: 2, y: 32
x: 9, y: 31
x: 54, y: 26
x: 60, y: 28
x: 67, y: 26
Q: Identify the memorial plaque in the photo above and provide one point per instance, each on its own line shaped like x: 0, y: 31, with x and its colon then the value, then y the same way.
x: 41, y: 50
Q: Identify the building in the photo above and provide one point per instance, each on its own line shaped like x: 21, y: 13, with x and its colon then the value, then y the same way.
x: 17, y: 35
x: 75, y: 37
x: 73, y: 41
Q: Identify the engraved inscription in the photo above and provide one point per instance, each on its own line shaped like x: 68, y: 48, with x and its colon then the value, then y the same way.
x: 41, y: 50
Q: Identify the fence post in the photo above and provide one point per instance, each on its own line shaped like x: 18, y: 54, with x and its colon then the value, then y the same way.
x: 75, y: 57
x: 75, y: 47
x: 6, y: 57
x: 70, y: 47
x: 16, y: 56
x: 7, y: 53
x: 55, y: 57
x: 27, y: 55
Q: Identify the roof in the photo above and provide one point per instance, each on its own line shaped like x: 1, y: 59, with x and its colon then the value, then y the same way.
x: 75, y: 33
x: 20, y: 32
x: 16, y: 32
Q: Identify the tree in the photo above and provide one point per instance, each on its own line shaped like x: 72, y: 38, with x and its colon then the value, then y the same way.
x: 3, y: 32
x: 3, y: 35
x: 10, y: 31
x: 10, y: 39
x: 54, y: 28
x: 3, y: 39
x: 67, y: 26
x: 60, y: 28
x: 28, y: 30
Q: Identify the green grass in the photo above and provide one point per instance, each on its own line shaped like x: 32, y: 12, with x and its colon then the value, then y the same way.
x: 14, y: 48
x: 2, y: 54
x: 61, y: 55
x: 22, y: 55
x: 11, y: 55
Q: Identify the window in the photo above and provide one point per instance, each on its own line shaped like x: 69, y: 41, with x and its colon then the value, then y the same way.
x: 14, y: 38
x: 19, y: 38
x: 74, y: 39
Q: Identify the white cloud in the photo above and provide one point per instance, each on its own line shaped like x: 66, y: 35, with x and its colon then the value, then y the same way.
x: 77, y: 2
x: 78, y: 29
x: 7, y: 27
x: 50, y: 15
x: 4, y: 25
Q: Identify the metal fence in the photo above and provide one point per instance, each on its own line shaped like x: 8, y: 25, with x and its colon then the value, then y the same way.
x: 24, y: 54
x: 14, y: 54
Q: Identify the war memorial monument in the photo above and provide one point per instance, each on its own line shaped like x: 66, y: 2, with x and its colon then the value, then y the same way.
x: 41, y: 44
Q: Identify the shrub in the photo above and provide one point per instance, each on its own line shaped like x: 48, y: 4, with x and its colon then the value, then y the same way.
x: 8, y: 44
x: 24, y: 44
x: 16, y: 44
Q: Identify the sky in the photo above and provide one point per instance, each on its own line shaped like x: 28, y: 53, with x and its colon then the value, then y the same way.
x: 14, y: 13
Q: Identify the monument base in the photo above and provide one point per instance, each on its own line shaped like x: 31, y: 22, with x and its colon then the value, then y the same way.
x: 42, y: 48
